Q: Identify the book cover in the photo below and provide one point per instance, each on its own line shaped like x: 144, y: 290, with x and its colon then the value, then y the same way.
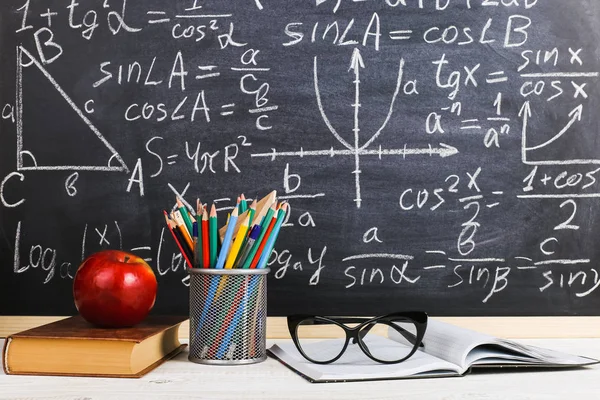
x: 73, y: 347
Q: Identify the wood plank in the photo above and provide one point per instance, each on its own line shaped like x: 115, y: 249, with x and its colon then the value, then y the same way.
x: 270, y: 380
x: 507, y: 327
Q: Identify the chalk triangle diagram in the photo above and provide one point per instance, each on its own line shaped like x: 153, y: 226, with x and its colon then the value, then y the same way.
x: 51, y: 147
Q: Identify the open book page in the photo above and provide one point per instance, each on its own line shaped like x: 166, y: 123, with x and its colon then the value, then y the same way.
x: 452, y: 343
x: 355, y: 365
x: 467, y: 348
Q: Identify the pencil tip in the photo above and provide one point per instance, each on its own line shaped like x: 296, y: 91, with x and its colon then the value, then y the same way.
x: 235, y: 212
x: 179, y: 202
x: 213, y: 211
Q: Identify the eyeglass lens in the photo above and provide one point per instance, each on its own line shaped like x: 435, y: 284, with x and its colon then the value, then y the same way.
x: 389, y: 341
x: 330, y: 342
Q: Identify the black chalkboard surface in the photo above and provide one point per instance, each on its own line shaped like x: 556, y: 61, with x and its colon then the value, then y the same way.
x: 436, y: 155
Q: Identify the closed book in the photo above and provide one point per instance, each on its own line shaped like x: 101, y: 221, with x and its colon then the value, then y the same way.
x: 73, y: 347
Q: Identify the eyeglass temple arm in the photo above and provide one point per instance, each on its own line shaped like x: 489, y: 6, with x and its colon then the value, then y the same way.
x: 406, y: 334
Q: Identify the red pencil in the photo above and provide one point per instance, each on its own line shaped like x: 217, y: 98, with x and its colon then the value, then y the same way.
x: 172, y: 228
x: 205, y: 240
x: 263, y: 242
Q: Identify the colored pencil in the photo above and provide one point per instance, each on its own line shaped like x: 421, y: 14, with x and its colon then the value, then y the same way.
x: 201, y: 238
x: 185, y: 215
x: 263, y: 243
x: 197, y: 245
x: 187, y: 239
x: 263, y: 231
x: 237, y: 243
x: 205, y: 241
x: 213, y: 235
x: 252, y: 212
x: 174, y: 232
x: 181, y: 227
x: 254, y: 234
x: 243, y: 204
x: 227, y: 240
x: 273, y: 237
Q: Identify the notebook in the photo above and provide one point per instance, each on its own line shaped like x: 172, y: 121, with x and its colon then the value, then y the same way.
x: 448, y: 351
x: 73, y: 347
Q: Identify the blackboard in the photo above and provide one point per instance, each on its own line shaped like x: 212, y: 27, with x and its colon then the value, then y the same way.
x: 436, y: 155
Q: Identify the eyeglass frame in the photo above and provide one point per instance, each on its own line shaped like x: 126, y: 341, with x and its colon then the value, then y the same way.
x: 419, y: 318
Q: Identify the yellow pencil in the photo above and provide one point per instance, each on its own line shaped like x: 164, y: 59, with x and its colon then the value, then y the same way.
x: 237, y: 243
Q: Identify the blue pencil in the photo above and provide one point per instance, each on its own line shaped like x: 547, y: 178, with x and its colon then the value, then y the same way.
x: 227, y: 240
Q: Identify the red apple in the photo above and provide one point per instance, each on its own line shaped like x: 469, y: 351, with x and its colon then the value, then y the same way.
x: 114, y: 288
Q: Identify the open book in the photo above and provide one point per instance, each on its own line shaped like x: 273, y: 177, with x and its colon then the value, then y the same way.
x: 448, y: 351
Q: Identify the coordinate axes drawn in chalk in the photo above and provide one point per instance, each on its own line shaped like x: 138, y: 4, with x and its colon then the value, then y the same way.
x: 575, y: 116
x: 357, y: 150
x: 114, y: 158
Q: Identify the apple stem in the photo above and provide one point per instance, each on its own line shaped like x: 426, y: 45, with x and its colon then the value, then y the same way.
x: 126, y: 259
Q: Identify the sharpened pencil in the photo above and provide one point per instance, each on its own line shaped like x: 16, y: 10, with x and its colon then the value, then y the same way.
x: 185, y: 215
x: 252, y: 209
x: 263, y: 242
x: 227, y: 240
x: 179, y: 241
x: 237, y: 243
x: 243, y: 204
x: 273, y: 237
x: 254, y: 234
x: 264, y: 226
x: 205, y: 240
x: 176, y: 216
x: 213, y: 235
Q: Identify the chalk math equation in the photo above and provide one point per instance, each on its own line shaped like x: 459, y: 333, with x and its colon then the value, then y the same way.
x: 449, y: 112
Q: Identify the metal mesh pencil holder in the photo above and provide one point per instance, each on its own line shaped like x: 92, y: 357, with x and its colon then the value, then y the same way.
x: 228, y: 316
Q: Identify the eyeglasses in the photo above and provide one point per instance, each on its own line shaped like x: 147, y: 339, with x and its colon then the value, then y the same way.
x: 388, y: 339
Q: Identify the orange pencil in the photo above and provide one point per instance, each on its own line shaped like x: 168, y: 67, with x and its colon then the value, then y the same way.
x: 205, y: 240
x: 263, y: 242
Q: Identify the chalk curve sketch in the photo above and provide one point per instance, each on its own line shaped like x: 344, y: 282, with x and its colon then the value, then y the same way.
x: 115, y: 162
x: 357, y: 150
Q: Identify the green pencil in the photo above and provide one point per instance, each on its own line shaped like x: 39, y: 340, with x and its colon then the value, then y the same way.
x: 243, y: 204
x: 252, y: 212
x: 200, y: 238
x: 265, y: 224
x: 213, y: 235
x: 185, y: 214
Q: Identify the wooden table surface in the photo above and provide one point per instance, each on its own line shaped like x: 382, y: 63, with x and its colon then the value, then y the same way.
x: 181, y: 379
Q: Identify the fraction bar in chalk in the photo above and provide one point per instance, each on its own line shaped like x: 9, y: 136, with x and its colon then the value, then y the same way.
x: 477, y: 260
x: 204, y: 16
x: 263, y: 109
x: 250, y: 69
x: 562, y: 75
x: 560, y: 196
x: 380, y: 255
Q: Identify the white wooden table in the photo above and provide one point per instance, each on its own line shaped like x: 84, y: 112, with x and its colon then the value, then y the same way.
x: 181, y: 379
